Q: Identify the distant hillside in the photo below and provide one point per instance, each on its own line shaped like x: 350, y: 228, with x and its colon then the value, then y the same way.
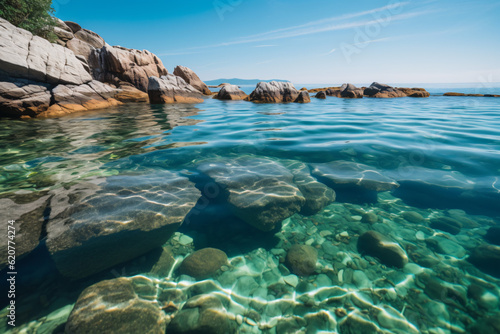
x: 239, y: 82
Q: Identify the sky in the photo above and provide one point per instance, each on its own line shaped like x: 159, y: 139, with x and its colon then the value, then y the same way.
x: 324, y: 41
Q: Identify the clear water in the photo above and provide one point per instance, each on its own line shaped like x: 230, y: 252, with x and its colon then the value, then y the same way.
x: 444, y: 152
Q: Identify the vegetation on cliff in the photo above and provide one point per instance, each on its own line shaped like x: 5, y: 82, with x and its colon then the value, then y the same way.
x: 32, y: 15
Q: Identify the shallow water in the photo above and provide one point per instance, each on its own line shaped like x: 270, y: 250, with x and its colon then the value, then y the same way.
x: 442, y: 151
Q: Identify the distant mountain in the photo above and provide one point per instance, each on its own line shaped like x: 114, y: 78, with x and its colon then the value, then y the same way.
x: 239, y: 82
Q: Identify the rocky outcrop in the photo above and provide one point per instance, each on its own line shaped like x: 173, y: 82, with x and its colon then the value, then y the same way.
x: 351, y: 92
x: 382, y: 91
x: 333, y: 92
x: 301, y: 259
x: 115, y: 221
x: 303, y: 97
x: 387, y: 251
x: 191, y: 78
x: 274, y: 92
x: 23, y: 98
x: 415, y: 92
x: 69, y: 98
x: 320, y: 95
x: 121, y: 305
x: 259, y: 191
x: 114, y: 64
x: 230, y: 92
x: 172, y: 89
x: 25, y: 56
x: 203, y: 263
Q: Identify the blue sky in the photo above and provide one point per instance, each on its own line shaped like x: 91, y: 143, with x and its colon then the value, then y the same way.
x: 327, y: 41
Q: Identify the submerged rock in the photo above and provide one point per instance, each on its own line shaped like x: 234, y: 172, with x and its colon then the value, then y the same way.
x: 493, y: 235
x: 27, y: 211
x: 115, y: 306
x: 172, y: 89
x: 387, y: 251
x: 191, y: 78
x: 202, y: 314
x: 230, y: 92
x: 116, y: 221
x: 259, y: 191
x: 446, y: 224
x: 342, y: 173
x: 203, y: 263
x: 301, y: 259
x: 412, y: 216
x: 350, y: 91
x: 369, y: 218
x: 489, y: 324
x: 382, y: 91
x: 487, y: 259
x: 274, y: 92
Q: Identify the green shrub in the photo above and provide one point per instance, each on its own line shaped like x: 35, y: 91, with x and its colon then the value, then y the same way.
x: 32, y: 15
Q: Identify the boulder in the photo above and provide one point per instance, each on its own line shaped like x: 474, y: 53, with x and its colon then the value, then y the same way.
x: 191, y: 78
x: 28, y: 213
x: 117, y: 306
x: 303, y: 97
x: 98, y: 226
x: 333, y: 92
x: 320, y: 95
x: 202, y: 314
x: 446, y: 224
x: 230, y: 92
x: 62, y: 34
x: 274, y: 92
x: 259, y: 191
x: 23, y: 98
x: 387, y: 251
x: 412, y: 216
x: 415, y: 92
x: 382, y: 91
x: 172, y: 89
x: 128, y: 93
x: 75, y: 27
x: 301, y: 259
x: 114, y: 63
x: 351, y: 92
x: 25, y: 56
x: 203, y: 263
x: 487, y: 259
x: 346, y: 173
x: 69, y: 98
x: 90, y: 38
x: 80, y: 48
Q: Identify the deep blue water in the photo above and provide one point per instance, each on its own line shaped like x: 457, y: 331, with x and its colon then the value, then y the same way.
x: 443, y: 151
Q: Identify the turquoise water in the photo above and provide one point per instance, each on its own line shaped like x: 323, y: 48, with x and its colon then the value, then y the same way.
x: 444, y: 152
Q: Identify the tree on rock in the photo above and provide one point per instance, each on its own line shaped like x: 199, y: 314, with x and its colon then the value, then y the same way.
x: 32, y: 15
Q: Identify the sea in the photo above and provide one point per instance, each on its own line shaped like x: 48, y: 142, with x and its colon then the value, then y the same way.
x: 423, y: 173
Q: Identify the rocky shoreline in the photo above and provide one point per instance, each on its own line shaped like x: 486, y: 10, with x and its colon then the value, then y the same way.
x: 81, y: 72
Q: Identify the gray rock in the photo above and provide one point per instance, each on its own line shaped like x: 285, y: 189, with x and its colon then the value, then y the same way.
x: 75, y: 27
x: 333, y: 92
x: 80, y: 48
x: 202, y: 314
x: 172, y: 89
x: 203, y: 263
x: 382, y: 91
x: 445, y: 246
x: 116, y: 221
x: 387, y: 251
x: 23, y: 98
x: 351, y: 91
x: 320, y: 95
x: 28, y: 213
x: 301, y: 259
x: 23, y: 55
x: 115, y: 306
x: 339, y: 173
x: 62, y: 34
x: 114, y: 64
x: 191, y: 78
x: 90, y: 38
x: 274, y: 92
x: 260, y: 191
x: 230, y: 92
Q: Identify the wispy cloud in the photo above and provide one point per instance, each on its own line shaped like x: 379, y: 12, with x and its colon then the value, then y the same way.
x: 324, y: 25
x: 264, y: 46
